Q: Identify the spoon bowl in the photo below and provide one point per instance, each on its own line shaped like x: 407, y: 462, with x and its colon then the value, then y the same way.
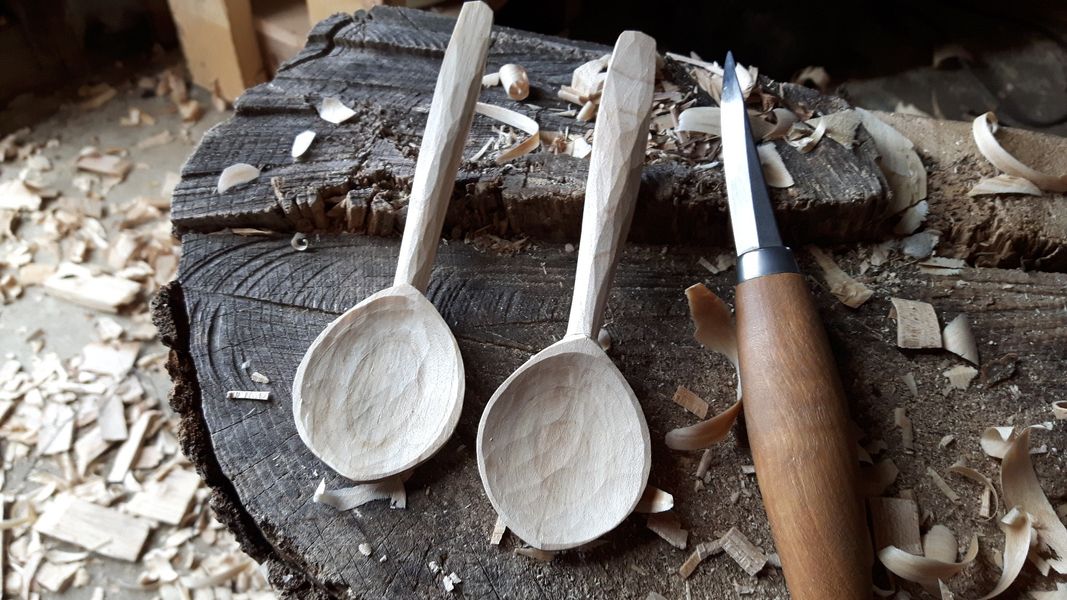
x: 564, y: 448
x: 390, y: 390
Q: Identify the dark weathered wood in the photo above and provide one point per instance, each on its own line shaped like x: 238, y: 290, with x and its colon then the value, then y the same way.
x: 255, y: 299
x: 385, y: 63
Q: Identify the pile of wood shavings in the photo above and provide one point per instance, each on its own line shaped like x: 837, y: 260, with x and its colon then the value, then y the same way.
x: 90, y: 457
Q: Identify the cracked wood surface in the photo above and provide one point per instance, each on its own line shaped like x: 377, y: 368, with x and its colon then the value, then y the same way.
x: 384, y: 65
x: 256, y: 299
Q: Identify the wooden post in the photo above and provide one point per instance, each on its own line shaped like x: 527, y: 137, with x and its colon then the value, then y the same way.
x: 219, y: 43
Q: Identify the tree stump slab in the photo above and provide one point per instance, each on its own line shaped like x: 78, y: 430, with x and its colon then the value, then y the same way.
x: 254, y: 303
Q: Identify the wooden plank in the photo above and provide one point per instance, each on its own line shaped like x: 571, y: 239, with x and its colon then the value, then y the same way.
x: 105, y: 531
x: 219, y: 43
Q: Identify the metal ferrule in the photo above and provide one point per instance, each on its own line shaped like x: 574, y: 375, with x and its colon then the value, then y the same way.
x: 765, y: 261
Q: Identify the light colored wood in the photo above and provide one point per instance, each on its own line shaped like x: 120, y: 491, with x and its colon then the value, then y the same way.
x: 3, y: 545
x: 515, y: 81
x: 102, y: 530
x: 380, y: 390
x: 129, y: 449
x: 282, y: 28
x: 320, y: 9
x: 111, y: 417
x: 166, y: 501
x: 798, y: 426
x: 563, y: 447
x: 219, y: 43
x: 895, y: 522
x: 77, y: 284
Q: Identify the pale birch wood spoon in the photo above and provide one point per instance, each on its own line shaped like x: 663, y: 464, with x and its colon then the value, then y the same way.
x: 380, y: 390
x: 563, y: 447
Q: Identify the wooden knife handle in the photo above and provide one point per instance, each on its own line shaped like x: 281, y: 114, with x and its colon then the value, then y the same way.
x: 798, y: 429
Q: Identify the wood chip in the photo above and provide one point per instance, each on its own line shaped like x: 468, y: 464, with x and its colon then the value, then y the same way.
x: 334, y: 111
x: 654, y: 500
x: 111, y: 418
x: 236, y: 175
x: 77, y: 284
x: 15, y: 196
x: 516, y: 120
x: 941, y: 265
x: 895, y: 522
x: 943, y: 485
x: 1059, y: 410
x: 365, y: 549
x: 302, y: 142
x: 775, y: 173
x: 961, y: 376
x: 248, y: 395
x: 258, y: 377
x: 1022, y: 489
x: 749, y: 557
x: 701, y: 552
x: 921, y: 569
x: 57, y: 429
x: 907, y: 433
x: 129, y: 450
x: 1003, y: 185
x: 344, y: 499
x: 166, y: 501
x: 917, y: 325
x: 850, y: 292
x: 984, y: 127
x: 101, y: 530
x: 104, y: 164
x: 688, y: 400
x: 959, y: 339
x: 989, y: 493
x: 515, y: 81
x: 669, y: 527
x: 536, y: 554
x: 110, y: 359
x: 499, y: 529
x: 56, y: 578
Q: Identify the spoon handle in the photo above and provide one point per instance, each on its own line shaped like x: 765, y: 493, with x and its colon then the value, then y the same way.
x: 619, y: 141
x: 447, y: 126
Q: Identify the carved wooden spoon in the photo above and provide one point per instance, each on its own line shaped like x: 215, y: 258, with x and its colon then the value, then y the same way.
x: 381, y: 388
x: 563, y: 448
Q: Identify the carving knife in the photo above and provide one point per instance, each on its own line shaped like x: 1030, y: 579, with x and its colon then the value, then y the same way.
x: 795, y: 410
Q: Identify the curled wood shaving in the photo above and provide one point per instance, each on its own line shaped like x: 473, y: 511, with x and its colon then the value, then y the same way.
x: 236, y: 175
x: 923, y: 570
x: 516, y: 120
x: 701, y: 552
x: 984, y: 128
x: 688, y: 400
x: 705, y: 433
x: 669, y: 527
x: 1022, y: 489
x: 334, y: 111
x: 1017, y: 527
x: 714, y: 322
x: 988, y: 491
x: 654, y: 500
x: 961, y: 376
x: 774, y: 170
x: 1059, y: 410
x: 1004, y: 184
x: 995, y: 441
x: 302, y: 142
x: 941, y: 265
x: 515, y: 81
x: 940, y: 544
x: 343, y: 499
x: 806, y: 143
x: 850, y: 292
x: 917, y: 325
x: 841, y: 126
x: 943, y: 485
x: 899, y: 162
x: 959, y: 339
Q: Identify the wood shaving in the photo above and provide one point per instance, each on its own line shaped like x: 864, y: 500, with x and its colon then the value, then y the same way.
x: 15, y: 196
x: 334, y: 111
x: 960, y: 377
x: 899, y: 162
x: 715, y: 329
x: 943, y: 485
x: 983, y: 128
x: 166, y: 501
x: 262, y: 396
x: 995, y: 441
x: 942, y: 266
x: 451, y: 581
x: 959, y: 339
x: 1004, y: 185
x: 946, y: 441
x: 940, y: 544
x: 909, y: 381
x: 701, y: 552
x: 499, y: 529
x: 1059, y: 410
x: 258, y: 377
x: 875, y: 479
x: 989, y: 492
x: 850, y: 292
x: 344, y: 499
x: 923, y: 570
x: 1017, y: 527
x: 688, y: 400
x: 515, y: 81
x: 805, y: 143
x: 101, y: 530
x: 235, y: 176
x: 706, y: 433
x: 895, y: 522
x: 516, y: 120
x: 749, y: 557
x: 654, y: 500
x: 667, y: 526
x: 301, y: 143
x: 912, y: 218
x: 129, y: 450
x: 774, y: 170
x: 840, y: 126
x: 917, y: 325
x: 1021, y: 489
x: 536, y: 554
x: 491, y: 80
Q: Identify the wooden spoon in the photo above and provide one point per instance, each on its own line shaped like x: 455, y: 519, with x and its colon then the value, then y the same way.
x: 381, y: 388
x: 563, y: 448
